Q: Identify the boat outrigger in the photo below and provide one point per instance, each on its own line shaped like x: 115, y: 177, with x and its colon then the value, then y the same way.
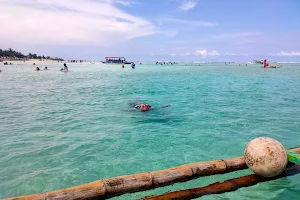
x: 266, y: 157
x: 115, y: 60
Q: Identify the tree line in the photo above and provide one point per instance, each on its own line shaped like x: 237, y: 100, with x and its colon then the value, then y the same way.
x: 10, y: 53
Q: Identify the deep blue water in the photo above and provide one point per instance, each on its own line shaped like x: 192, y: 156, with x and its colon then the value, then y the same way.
x: 59, y: 130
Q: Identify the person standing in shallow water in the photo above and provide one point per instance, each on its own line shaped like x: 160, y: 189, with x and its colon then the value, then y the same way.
x: 65, y: 67
x: 122, y: 64
x: 132, y: 65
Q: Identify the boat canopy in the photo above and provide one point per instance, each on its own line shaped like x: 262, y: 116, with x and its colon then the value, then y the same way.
x: 115, y: 59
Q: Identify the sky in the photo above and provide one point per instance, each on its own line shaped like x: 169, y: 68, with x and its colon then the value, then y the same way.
x: 153, y: 30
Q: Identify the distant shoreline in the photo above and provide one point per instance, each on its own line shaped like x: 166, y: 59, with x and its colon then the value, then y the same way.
x: 150, y: 62
x: 30, y: 60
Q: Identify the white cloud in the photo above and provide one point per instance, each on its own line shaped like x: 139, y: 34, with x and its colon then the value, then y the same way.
x: 122, y: 2
x: 188, y: 22
x: 230, y: 54
x: 294, y: 53
x: 188, y: 5
x: 204, y: 52
x: 234, y: 54
x: 68, y: 22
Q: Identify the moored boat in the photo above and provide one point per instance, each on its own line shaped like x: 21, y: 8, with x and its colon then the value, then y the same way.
x: 115, y: 60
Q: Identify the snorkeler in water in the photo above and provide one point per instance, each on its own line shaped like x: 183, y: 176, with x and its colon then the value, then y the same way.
x: 143, y: 107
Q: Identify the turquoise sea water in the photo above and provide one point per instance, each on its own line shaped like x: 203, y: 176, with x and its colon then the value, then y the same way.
x: 59, y: 130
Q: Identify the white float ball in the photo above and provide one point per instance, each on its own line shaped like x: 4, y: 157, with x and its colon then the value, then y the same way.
x: 266, y: 157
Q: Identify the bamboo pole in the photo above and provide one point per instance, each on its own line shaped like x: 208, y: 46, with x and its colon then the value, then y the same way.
x: 222, y: 187
x: 139, y: 182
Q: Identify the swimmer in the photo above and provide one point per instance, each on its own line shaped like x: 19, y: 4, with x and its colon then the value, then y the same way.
x: 37, y: 69
x: 143, y: 107
x: 46, y: 68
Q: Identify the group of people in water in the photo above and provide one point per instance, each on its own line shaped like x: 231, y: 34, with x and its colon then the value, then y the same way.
x: 132, y: 65
x: 38, y: 69
x: 65, y: 68
x: 165, y: 63
x: 6, y: 63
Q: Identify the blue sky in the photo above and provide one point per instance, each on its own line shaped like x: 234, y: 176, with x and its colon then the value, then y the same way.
x: 150, y: 30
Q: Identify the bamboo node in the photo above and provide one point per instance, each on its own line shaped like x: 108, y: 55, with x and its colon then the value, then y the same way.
x: 227, y: 168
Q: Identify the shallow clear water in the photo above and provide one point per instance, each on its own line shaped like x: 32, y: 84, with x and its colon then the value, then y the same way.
x: 63, y: 129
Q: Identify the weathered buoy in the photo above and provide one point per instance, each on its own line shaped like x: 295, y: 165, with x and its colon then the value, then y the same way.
x: 266, y: 157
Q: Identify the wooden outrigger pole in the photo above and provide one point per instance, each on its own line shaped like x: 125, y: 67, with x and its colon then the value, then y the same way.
x: 106, y: 188
x: 222, y: 187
